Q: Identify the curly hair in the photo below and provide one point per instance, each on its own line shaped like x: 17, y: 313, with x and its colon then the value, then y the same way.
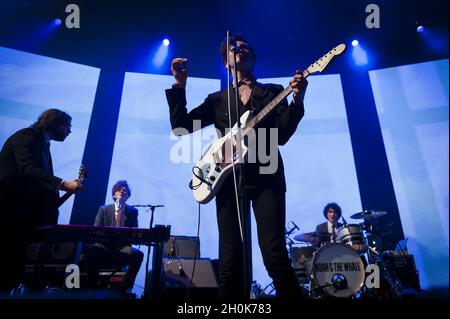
x: 118, y: 185
x: 336, y: 208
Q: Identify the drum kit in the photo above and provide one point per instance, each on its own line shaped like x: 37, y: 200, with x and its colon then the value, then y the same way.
x: 335, y: 266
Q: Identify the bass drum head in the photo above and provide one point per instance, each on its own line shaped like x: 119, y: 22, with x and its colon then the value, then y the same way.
x: 338, y: 269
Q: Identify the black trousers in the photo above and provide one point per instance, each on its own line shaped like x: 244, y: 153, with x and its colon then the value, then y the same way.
x: 100, y: 256
x: 20, y: 216
x: 270, y: 215
x: 17, y: 227
x: 12, y: 264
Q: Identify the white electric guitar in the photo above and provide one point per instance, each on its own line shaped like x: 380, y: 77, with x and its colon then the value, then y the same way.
x: 216, y: 164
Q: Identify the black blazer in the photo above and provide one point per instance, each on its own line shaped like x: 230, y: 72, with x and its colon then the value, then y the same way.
x: 214, y: 110
x: 323, y: 228
x: 28, y: 187
x: 105, y: 216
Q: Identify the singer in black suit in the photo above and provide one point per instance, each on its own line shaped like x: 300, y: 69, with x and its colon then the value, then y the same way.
x: 29, y: 191
x: 115, y: 255
x: 328, y: 231
x: 266, y: 191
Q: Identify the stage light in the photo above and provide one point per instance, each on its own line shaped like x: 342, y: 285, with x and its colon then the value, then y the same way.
x: 420, y: 28
x: 161, y: 54
x: 57, y: 22
x: 166, y: 42
x: 355, y: 43
x: 359, y: 55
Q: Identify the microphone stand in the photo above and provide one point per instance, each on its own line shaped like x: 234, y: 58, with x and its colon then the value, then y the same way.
x: 245, y: 220
x: 156, y: 271
x: 289, y: 241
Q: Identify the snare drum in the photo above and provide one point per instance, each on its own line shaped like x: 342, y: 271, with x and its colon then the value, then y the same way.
x: 352, y: 235
x: 338, y: 270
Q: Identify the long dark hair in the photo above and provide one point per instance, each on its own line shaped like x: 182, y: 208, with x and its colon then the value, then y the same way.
x: 52, y: 119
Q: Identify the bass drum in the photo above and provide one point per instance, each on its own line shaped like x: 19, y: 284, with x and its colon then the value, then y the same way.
x: 338, y: 270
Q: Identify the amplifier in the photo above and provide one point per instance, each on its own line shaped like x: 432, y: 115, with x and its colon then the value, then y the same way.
x: 404, y: 267
x: 51, y: 268
x: 182, y: 247
x: 54, y: 253
x: 177, y: 276
x: 178, y: 272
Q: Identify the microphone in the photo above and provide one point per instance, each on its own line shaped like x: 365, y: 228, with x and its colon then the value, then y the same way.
x: 292, y: 229
x: 339, y: 281
x: 233, y: 44
x: 119, y: 203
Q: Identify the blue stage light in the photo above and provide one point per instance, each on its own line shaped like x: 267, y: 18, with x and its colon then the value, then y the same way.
x: 57, y: 22
x: 355, y: 43
x: 420, y: 28
x: 160, y: 56
x: 166, y: 42
x: 359, y: 56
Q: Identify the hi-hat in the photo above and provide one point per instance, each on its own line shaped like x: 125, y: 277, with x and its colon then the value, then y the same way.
x: 367, y: 214
x: 310, y: 237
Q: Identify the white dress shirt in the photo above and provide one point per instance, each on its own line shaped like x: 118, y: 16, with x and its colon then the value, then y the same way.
x: 118, y: 215
x: 330, y: 231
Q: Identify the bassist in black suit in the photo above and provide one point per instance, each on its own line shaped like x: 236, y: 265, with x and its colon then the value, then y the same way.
x: 29, y: 191
x: 265, y: 191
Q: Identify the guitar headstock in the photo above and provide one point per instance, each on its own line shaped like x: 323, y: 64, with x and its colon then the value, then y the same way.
x: 321, y: 64
x: 82, y: 174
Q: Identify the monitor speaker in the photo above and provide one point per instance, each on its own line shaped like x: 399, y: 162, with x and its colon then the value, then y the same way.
x: 53, y: 253
x: 177, y: 279
x: 182, y: 247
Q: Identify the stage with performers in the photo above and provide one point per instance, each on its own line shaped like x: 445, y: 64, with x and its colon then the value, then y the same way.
x: 239, y: 151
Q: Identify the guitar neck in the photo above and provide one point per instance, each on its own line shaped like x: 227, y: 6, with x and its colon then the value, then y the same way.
x: 63, y: 198
x: 82, y: 174
x: 269, y: 107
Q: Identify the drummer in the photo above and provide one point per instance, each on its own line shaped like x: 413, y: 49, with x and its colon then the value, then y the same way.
x: 327, y: 232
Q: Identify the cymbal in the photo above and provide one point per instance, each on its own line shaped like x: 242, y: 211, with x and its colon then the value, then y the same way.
x: 367, y: 214
x: 310, y: 237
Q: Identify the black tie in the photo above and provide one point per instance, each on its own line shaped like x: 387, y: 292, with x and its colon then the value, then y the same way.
x: 333, y: 234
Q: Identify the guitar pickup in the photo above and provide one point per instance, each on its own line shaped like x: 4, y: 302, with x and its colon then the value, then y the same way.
x: 217, y: 157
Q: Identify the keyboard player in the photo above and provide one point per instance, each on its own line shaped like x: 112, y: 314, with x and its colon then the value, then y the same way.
x: 115, y: 254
